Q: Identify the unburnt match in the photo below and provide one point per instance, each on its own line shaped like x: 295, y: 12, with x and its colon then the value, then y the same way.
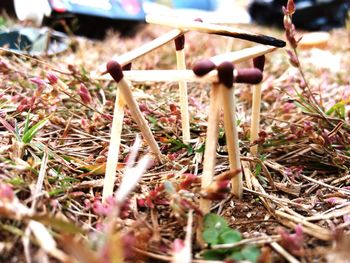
x: 214, y: 29
x: 115, y: 70
x: 114, y: 145
x: 181, y: 65
x: 226, y: 79
x: 210, y: 152
x: 259, y: 63
x: 243, y: 55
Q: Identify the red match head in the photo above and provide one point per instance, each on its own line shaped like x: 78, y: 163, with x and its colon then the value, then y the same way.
x: 127, y: 66
x: 225, y: 73
x: 203, y: 67
x: 249, y: 76
x: 115, y: 70
x: 180, y: 42
x: 259, y: 62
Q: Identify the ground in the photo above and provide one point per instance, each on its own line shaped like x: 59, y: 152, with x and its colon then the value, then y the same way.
x: 295, y: 204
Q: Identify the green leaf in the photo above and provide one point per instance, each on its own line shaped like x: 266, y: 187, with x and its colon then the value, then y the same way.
x: 26, y: 124
x: 214, y: 221
x: 251, y: 253
x: 338, y: 109
x: 210, y: 236
x: 230, y: 236
x: 28, y: 136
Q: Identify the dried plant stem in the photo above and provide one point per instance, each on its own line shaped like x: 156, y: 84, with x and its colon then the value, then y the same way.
x: 229, y: 105
x: 185, y: 119
x: 210, y: 152
x: 114, y: 145
x: 255, y: 119
x: 308, y: 227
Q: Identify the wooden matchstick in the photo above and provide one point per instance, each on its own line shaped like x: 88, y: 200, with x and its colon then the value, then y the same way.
x: 181, y: 65
x: 242, y: 55
x: 259, y: 63
x: 226, y: 78
x: 168, y: 76
x: 114, y: 145
x: 210, y: 153
x: 214, y: 29
x: 115, y: 70
x: 130, y: 56
x: 202, y: 68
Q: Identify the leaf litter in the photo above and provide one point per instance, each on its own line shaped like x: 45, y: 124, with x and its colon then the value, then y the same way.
x: 55, y: 124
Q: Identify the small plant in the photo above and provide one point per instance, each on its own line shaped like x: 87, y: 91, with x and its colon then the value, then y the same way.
x: 216, y: 232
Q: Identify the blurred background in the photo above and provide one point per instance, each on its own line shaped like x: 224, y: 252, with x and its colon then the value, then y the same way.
x: 94, y: 16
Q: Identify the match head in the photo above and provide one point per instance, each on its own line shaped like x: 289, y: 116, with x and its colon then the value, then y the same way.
x: 203, y: 67
x: 225, y: 73
x: 127, y: 66
x: 248, y: 75
x: 259, y: 62
x: 180, y: 42
x: 115, y: 70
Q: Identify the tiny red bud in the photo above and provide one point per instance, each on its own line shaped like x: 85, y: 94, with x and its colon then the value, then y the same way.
x: 84, y: 94
x: 291, y: 7
x: 52, y: 78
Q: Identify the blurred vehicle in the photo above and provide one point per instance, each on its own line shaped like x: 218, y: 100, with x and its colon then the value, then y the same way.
x: 309, y: 14
x: 37, y: 10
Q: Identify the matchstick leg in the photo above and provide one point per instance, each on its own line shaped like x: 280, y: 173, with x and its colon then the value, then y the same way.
x: 115, y: 69
x: 210, y: 153
x: 185, y: 118
x: 231, y: 133
x: 131, y: 103
x: 114, y: 145
x: 255, y: 119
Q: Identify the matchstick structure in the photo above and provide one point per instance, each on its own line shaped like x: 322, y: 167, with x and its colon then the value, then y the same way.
x: 218, y: 70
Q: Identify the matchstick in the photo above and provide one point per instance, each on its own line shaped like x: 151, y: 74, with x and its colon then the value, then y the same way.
x: 242, y: 55
x: 181, y: 65
x: 214, y: 29
x: 259, y: 63
x: 210, y: 153
x: 115, y: 70
x: 226, y: 78
x: 130, y: 56
x: 114, y: 145
x: 202, y: 68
